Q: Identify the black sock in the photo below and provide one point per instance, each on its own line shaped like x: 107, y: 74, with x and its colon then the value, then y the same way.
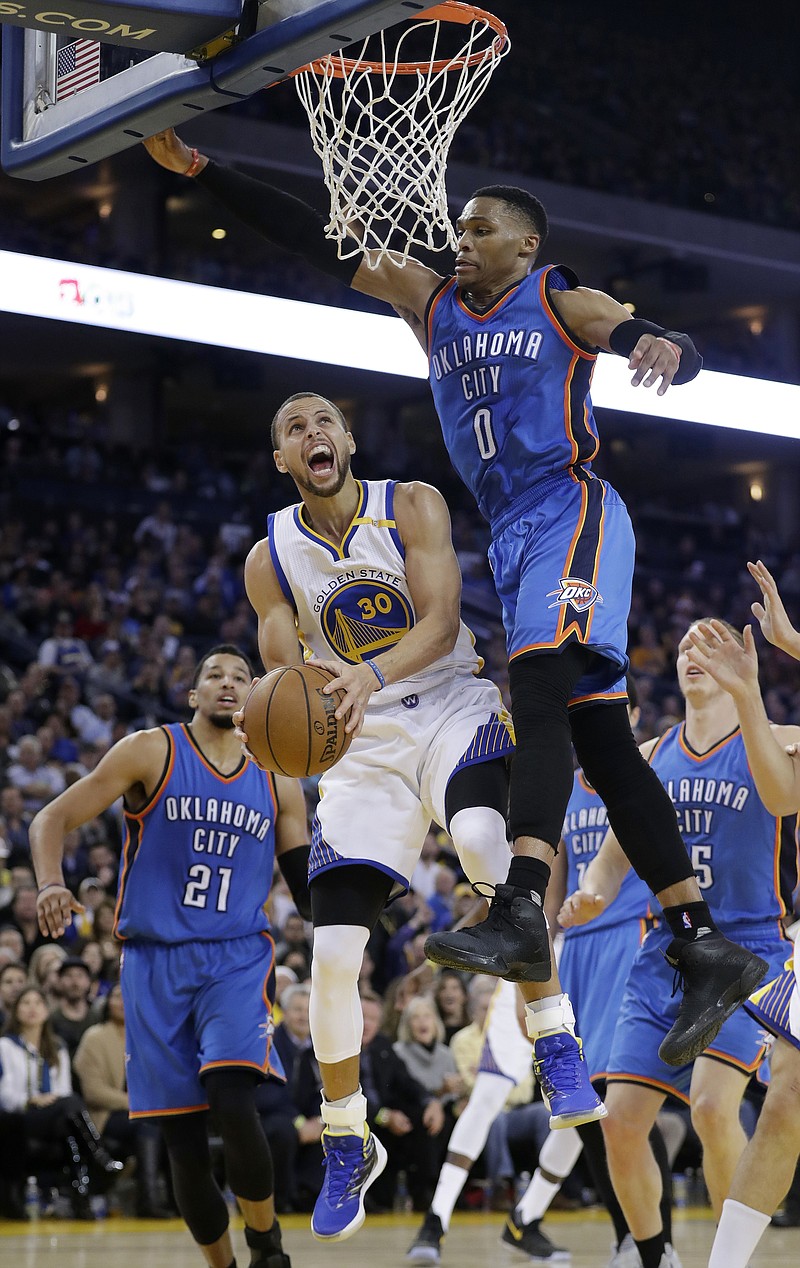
x: 652, y: 1251
x: 529, y: 874
x: 690, y: 921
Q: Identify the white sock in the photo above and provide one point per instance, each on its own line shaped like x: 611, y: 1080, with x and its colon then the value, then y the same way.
x: 739, y: 1232
x: 548, y: 1016
x: 558, y: 1156
x: 451, y: 1181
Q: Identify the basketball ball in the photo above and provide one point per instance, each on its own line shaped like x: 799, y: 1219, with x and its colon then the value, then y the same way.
x: 290, y: 722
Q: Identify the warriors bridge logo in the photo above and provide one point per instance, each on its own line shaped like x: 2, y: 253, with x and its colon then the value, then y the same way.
x: 361, y: 619
x: 579, y: 594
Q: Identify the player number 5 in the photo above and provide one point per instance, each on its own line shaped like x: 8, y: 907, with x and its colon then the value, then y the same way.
x: 701, y: 862
x: 482, y: 426
x: 199, y: 884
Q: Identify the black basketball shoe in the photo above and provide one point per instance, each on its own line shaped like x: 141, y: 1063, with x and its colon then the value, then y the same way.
x: 529, y: 1240
x: 511, y: 942
x: 426, y: 1246
x: 717, y: 976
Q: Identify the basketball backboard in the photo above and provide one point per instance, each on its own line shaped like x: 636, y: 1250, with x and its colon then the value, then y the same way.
x: 68, y: 100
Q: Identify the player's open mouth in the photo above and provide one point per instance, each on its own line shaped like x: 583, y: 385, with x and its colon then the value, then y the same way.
x: 226, y: 700
x: 321, y: 460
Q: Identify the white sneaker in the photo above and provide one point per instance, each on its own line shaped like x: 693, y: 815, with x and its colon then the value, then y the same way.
x: 626, y: 1254
x: 671, y: 1259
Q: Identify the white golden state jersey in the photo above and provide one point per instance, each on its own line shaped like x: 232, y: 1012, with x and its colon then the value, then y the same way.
x: 352, y: 601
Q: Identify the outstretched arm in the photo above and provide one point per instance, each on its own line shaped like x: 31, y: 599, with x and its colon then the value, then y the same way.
x: 296, y: 227
x: 135, y: 762
x: 653, y: 352
x: 735, y: 669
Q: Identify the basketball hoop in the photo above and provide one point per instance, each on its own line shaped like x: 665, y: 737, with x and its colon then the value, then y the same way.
x: 382, y: 126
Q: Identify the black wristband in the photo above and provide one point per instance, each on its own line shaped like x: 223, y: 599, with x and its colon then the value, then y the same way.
x: 279, y: 217
x: 294, y: 869
x: 624, y: 338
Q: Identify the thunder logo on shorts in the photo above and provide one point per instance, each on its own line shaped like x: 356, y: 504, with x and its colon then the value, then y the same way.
x: 361, y: 619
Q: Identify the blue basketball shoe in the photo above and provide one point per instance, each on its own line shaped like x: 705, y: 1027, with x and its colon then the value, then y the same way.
x: 560, y: 1067
x: 353, y: 1161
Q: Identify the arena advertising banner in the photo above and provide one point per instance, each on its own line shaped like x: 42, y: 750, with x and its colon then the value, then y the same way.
x: 174, y: 28
x: 59, y: 290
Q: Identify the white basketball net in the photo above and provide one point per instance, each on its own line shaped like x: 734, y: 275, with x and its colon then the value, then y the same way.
x: 383, y: 130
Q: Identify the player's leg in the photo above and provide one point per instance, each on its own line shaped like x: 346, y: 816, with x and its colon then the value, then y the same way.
x: 561, y: 538
x: 486, y: 1100
x: 346, y: 902
x: 248, y: 1161
x: 470, y: 797
x: 231, y: 1019
x: 766, y: 1168
x: 632, y: 1110
x: 718, y: 975
x: 197, y: 1194
x: 716, y: 1095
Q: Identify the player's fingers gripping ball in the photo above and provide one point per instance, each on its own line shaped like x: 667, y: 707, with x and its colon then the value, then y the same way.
x: 291, y: 724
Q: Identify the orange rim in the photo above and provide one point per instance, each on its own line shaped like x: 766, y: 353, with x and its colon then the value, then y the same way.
x: 450, y: 11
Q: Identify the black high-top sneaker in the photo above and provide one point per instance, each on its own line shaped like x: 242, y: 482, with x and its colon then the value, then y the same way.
x: 511, y: 942
x: 426, y: 1246
x: 717, y: 976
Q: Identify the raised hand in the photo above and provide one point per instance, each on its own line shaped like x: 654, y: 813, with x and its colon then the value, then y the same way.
x: 771, y: 614
x: 715, y: 650
x: 171, y: 152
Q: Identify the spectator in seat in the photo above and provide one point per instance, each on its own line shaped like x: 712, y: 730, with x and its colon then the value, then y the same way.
x: 71, y: 1018
x: 43, y: 970
x: 293, y: 938
x: 14, y: 822
x: 35, y: 1080
x: 37, y: 781
x: 99, y: 1063
x: 63, y: 653
x: 21, y: 913
x: 13, y: 980
x: 450, y: 995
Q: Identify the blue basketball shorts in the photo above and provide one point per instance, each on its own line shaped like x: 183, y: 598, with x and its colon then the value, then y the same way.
x: 777, y: 1005
x: 594, y: 968
x: 191, y: 1007
x: 563, y: 570
x: 649, y: 1009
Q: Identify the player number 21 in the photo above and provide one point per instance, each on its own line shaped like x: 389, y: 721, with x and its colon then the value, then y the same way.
x: 199, y: 883
x: 482, y: 426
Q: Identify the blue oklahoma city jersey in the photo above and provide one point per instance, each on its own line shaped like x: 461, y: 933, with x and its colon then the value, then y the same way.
x: 198, y: 859
x: 585, y: 827
x: 745, y: 859
x: 511, y: 388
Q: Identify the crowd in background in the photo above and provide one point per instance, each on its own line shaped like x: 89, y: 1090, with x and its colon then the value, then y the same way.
x: 112, y: 583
